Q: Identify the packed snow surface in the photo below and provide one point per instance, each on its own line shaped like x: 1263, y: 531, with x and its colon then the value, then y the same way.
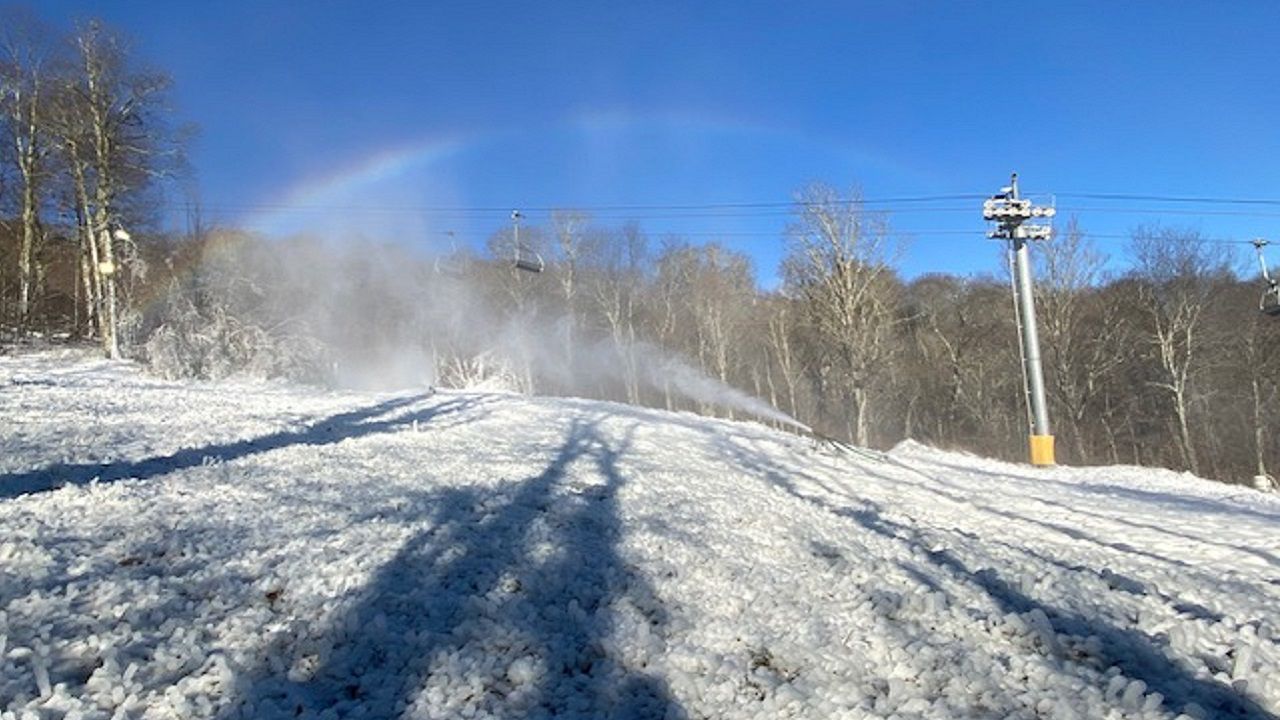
x: 175, y: 550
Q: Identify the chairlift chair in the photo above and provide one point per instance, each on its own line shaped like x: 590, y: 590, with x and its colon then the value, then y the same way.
x: 1269, y: 303
x: 527, y: 258
x: 529, y: 261
x: 448, y: 264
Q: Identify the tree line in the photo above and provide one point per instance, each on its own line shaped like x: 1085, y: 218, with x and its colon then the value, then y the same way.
x: 1166, y: 363
x: 88, y: 142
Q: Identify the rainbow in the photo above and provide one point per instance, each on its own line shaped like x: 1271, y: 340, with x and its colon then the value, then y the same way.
x: 375, y: 175
x: 285, y: 215
x: 346, y: 184
x: 303, y: 205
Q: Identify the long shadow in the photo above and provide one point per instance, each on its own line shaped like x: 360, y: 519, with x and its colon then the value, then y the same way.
x: 1260, y: 554
x: 333, y: 429
x: 1136, y: 654
x: 1202, y: 505
x: 1131, y: 650
x: 781, y: 476
x: 1079, y: 535
x: 505, y: 605
x: 143, y: 553
x: 933, y: 486
x: 1193, y: 504
x: 1124, y: 521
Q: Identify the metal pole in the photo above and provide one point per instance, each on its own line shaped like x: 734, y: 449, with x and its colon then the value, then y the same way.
x: 1258, y: 244
x: 1010, y: 211
x: 515, y: 232
x: 1030, y: 339
x: 1030, y: 333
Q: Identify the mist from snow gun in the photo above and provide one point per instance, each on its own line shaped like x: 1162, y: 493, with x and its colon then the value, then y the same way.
x: 601, y: 360
x: 540, y: 346
x: 697, y: 385
x: 379, y: 316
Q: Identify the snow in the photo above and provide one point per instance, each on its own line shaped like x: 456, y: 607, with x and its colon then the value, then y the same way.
x: 242, y: 549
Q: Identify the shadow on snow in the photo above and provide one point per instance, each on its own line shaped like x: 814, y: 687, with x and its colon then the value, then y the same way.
x: 507, y: 602
x: 1136, y: 654
x: 334, y: 429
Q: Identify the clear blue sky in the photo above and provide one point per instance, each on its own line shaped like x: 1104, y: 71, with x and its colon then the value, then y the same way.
x: 369, y: 108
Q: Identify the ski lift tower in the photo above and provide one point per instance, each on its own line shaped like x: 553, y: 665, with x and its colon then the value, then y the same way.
x: 1010, y: 213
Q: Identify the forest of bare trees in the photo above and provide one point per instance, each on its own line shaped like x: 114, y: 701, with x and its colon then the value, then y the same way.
x: 1166, y: 363
x: 86, y: 142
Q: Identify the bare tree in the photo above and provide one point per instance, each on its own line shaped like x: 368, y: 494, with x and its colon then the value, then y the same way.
x: 1180, y: 276
x: 569, y: 227
x: 27, y: 65
x: 1084, y: 338
x: 780, y: 318
x: 1246, y: 377
x: 674, y: 273
x: 617, y: 287
x: 1260, y: 357
x: 723, y: 286
x: 970, y: 392
x: 113, y: 133
x: 838, y: 265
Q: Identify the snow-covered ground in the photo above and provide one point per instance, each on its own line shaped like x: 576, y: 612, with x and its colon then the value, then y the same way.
x: 255, y: 550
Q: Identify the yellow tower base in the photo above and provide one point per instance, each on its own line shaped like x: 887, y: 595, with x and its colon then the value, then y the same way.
x: 1042, y: 450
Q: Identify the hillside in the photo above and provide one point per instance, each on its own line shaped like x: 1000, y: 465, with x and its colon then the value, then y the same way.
x: 260, y: 550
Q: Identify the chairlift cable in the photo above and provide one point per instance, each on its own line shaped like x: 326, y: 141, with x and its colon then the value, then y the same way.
x: 921, y: 234
x: 907, y: 204
x: 1171, y: 198
x: 601, y: 207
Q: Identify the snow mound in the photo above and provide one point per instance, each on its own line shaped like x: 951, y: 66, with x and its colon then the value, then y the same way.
x: 255, y: 550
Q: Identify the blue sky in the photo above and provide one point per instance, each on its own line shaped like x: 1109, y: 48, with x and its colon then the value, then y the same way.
x: 356, y: 116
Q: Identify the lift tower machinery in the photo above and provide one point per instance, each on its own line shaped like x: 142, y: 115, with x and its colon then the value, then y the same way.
x: 1010, y: 213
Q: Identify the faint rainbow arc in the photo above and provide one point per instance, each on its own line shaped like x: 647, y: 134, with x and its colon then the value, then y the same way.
x: 348, y: 180
x: 314, y: 192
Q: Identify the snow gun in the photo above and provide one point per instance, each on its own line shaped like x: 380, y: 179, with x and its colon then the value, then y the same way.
x: 841, y: 447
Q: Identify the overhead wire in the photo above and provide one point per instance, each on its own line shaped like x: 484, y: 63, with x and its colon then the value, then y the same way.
x: 1166, y: 211
x: 913, y: 234
x: 482, y: 209
x: 901, y: 205
x: 656, y: 212
x: 1171, y: 198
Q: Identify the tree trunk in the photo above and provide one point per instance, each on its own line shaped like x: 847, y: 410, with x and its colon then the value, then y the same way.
x: 1184, y: 432
x: 1259, y: 426
x: 104, y: 200
x: 88, y: 248
x: 111, y: 337
x: 860, y: 430
x: 908, y: 420
x: 30, y: 229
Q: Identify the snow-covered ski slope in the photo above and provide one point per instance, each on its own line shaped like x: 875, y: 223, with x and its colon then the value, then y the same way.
x: 252, y: 550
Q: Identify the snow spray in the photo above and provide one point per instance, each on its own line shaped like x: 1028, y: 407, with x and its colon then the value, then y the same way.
x: 697, y: 385
x: 380, y: 316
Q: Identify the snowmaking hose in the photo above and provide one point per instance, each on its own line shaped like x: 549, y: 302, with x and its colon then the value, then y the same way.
x: 849, y: 448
